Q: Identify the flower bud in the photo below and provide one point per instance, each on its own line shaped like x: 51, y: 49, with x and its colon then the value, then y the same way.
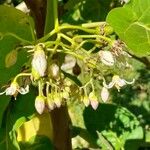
x: 65, y: 94
x: 39, y: 62
x: 104, y: 94
x: 93, y: 100
x: 53, y: 71
x: 40, y: 104
x: 69, y: 63
x: 107, y: 58
x: 86, y: 101
x: 67, y: 89
x: 57, y: 99
x: 50, y: 102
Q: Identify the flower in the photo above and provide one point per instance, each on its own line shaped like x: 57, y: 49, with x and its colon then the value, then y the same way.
x: 40, y: 104
x: 86, y: 100
x: 104, y: 94
x: 69, y: 63
x: 53, y: 70
x: 117, y: 82
x: 39, y: 62
x: 50, y: 102
x: 93, y: 100
x: 57, y: 99
x: 14, y: 88
x: 107, y: 58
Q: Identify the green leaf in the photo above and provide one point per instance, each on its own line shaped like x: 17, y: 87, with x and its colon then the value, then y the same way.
x: 13, y: 23
x: 132, y: 24
x: 115, y: 123
x: 4, y: 101
x: 80, y: 11
x: 18, y: 112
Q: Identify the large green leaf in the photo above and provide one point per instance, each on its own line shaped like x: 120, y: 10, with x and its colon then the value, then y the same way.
x: 13, y: 23
x: 115, y: 123
x: 16, y: 23
x: 132, y: 24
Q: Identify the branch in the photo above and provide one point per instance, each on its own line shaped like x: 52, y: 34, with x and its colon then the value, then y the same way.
x: 38, y: 11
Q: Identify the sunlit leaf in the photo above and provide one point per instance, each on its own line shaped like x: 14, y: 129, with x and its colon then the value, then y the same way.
x: 132, y: 24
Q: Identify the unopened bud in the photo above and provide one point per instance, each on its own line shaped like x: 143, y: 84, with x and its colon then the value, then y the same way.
x: 50, y: 102
x: 65, y: 94
x: 93, y: 100
x: 57, y: 99
x: 39, y: 62
x: 40, y: 104
x: 104, y: 94
x: 69, y: 63
x: 53, y: 71
x: 67, y: 89
x: 107, y: 58
x: 86, y: 101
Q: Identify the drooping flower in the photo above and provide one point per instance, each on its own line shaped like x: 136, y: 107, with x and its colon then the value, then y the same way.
x: 69, y: 63
x: 93, y: 100
x: 53, y: 71
x: 50, y: 102
x: 40, y: 104
x: 86, y: 100
x: 39, y: 62
x: 104, y: 94
x: 107, y: 58
x: 57, y: 99
x: 14, y: 89
x: 117, y: 82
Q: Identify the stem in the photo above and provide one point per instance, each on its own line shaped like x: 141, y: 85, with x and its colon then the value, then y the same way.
x: 21, y: 75
x: 38, y: 11
x: 94, y: 36
x: 63, y: 27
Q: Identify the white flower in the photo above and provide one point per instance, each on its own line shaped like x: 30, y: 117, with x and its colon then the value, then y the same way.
x: 93, y: 100
x: 53, y: 70
x: 117, y: 82
x: 69, y: 63
x: 57, y: 99
x: 104, y: 94
x: 40, y: 104
x: 14, y: 88
x: 39, y: 62
x: 107, y: 58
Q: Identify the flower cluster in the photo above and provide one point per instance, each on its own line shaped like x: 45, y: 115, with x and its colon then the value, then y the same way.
x: 58, y: 81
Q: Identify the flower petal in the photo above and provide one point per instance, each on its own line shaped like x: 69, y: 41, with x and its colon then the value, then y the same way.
x: 23, y: 90
x: 104, y: 94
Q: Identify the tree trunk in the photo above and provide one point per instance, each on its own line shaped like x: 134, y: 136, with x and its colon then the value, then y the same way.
x: 60, y: 117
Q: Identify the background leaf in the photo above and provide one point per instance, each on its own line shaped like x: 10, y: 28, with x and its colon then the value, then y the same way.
x: 116, y: 124
x: 12, y: 21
